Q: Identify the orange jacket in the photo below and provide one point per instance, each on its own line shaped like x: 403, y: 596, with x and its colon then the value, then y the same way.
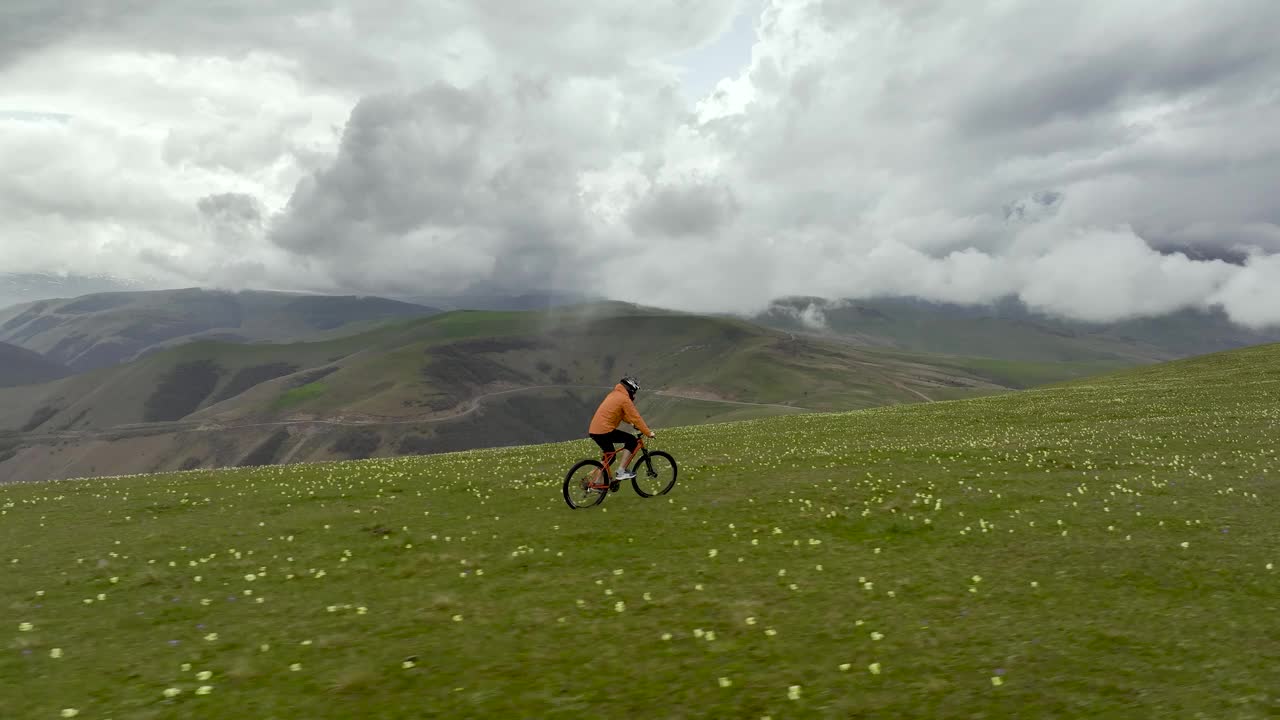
x: 617, y: 406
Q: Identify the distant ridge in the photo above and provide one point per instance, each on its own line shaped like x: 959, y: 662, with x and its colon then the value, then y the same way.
x: 19, y: 366
x: 1008, y: 330
x: 19, y: 288
x: 105, y: 329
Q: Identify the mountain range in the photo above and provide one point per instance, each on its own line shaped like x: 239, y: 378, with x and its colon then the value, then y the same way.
x: 106, y: 329
x: 446, y: 381
x: 23, y: 287
x: 158, y: 380
x: 1009, y: 330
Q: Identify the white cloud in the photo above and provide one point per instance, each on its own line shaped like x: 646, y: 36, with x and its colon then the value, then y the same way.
x: 1251, y: 296
x: 140, y: 139
x: 1104, y: 276
x: 1096, y: 159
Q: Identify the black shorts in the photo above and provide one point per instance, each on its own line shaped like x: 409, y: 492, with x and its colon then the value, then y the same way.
x: 608, y: 440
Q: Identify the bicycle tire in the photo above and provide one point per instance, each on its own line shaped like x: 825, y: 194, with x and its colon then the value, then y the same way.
x: 650, y: 468
x: 590, y: 498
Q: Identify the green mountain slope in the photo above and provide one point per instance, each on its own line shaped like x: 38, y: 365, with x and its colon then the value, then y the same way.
x: 463, y: 380
x: 455, y: 381
x: 443, y: 362
x: 1008, y: 331
x: 437, y: 366
x: 1102, y: 549
x: 19, y: 366
x: 97, y: 331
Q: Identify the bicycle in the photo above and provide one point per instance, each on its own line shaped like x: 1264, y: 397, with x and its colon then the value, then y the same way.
x: 590, y: 481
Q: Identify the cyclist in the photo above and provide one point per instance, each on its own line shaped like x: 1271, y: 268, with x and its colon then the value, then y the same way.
x: 617, y: 406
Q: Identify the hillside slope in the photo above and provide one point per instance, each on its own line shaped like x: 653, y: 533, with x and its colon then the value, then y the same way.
x: 19, y: 366
x: 455, y: 381
x: 96, y: 331
x: 1100, y: 549
x: 437, y: 366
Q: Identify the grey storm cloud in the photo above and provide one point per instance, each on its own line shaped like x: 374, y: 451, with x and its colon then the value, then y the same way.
x: 1040, y: 204
x: 1107, y: 70
x: 686, y: 210
x: 1095, y: 159
x: 29, y: 24
x: 235, y: 208
x: 234, y: 220
x: 235, y: 27
x: 404, y: 162
x: 452, y: 185
x: 372, y: 44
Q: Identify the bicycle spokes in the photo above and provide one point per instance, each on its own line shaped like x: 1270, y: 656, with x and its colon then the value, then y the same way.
x: 655, y: 474
x: 586, y: 484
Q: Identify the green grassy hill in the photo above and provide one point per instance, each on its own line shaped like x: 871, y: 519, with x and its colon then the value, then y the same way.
x: 462, y: 380
x: 1101, y: 549
x: 455, y: 381
x: 441, y: 363
x: 1009, y: 331
x: 438, y: 366
x: 96, y: 331
x: 19, y: 366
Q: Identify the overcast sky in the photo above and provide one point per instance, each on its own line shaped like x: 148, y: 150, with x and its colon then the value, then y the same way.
x: 1097, y: 159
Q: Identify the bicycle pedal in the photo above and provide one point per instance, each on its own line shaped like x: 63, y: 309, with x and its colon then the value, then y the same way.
x: 613, y: 486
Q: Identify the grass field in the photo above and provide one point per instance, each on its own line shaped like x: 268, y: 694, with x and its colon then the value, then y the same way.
x: 1103, y: 549
x: 301, y: 394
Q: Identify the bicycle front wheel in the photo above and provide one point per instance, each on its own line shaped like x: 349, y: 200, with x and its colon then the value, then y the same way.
x: 582, y: 486
x: 655, y: 474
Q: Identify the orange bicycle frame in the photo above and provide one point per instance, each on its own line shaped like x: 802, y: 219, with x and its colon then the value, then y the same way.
x: 607, y: 460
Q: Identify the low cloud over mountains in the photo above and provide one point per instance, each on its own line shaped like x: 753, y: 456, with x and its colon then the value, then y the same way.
x: 1096, y: 160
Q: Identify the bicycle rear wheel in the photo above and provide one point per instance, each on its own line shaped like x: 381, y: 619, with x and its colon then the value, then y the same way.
x: 579, y: 485
x: 655, y: 474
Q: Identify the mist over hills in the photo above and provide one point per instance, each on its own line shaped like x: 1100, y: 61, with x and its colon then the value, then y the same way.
x: 490, y: 296
x: 17, y: 288
x: 149, y: 380
x: 1009, y: 330
x: 97, y: 330
x: 449, y: 381
x: 106, y: 329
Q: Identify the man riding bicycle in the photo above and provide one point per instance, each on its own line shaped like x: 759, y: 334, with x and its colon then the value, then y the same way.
x: 617, y: 406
